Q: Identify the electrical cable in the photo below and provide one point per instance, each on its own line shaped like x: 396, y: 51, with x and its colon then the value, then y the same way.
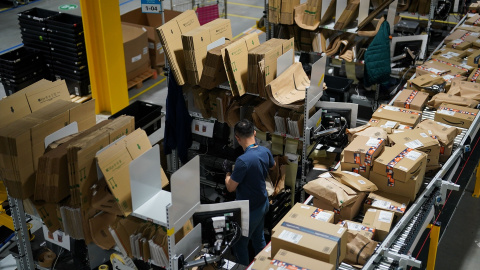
x: 446, y: 200
x: 56, y: 260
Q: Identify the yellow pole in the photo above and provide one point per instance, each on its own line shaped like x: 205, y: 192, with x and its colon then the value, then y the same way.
x: 106, y: 63
x: 476, y: 190
x: 432, y: 251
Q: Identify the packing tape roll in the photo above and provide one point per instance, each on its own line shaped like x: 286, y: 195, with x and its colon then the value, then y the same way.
x: 103, y: 267
x: 46, y: 258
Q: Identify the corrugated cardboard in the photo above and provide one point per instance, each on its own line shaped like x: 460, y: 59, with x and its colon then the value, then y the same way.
x: 289, y: 260
x: 472, y: 59
x: 468, y: 90
x: 135, y: 47
x: 381, y: 220
x: 419, y: 140
x: 404, y: 116
x: 103, y: 199
x: 387, y: 125
x: 263, y: 258
x: 31, y: 99
x: 274, y: 8
x: 286, y: 11
x: 447, y: 151
x: 388, y: 202
x: 407, y: 189
x: 440, y: 98
x: 370, y: 130
x: 311, y: 238
x: 268, y: 53
x: 356, y: 168
x: 99, y: 225
x: 150, y: 21
x: 354, y: 228
x: 171, y: 38
x: 195, y: 44
x: 421, y: 82
x: 288, y: 93
x: 123, y: 228
x: 440, y: 69
x: 213, y: 70
x: 455, y: 115
x: 363, y: 150
x: 49, y: 215
x: 410, y: 165
x: 22, y: 141
x: 113, y: 163
x: 347, y: 212
x: 445, y: 133
x: 473, y: 20
x: 359, y: 250
x: 354, y: 180
x: 474, y: 76
x: 235, y: 60
x: 411, y: 100
x: 301, y: 209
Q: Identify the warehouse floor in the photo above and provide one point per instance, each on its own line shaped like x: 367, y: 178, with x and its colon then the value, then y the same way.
x: 460, y: 246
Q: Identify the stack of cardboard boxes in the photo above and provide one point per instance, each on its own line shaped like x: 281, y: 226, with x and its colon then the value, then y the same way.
x: 359, y: 155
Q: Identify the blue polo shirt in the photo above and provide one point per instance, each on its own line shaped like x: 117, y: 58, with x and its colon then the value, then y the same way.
x: 251, y: 170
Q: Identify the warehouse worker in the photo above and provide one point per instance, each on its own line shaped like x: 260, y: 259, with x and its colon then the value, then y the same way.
x: 248, y: 179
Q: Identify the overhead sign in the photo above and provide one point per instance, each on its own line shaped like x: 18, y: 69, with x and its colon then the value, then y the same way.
x: 151, y: 6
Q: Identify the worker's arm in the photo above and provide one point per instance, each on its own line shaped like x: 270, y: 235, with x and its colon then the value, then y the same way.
x: 230, y: 183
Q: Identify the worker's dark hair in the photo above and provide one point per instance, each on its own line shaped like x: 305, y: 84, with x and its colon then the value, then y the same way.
x: 243, y: 129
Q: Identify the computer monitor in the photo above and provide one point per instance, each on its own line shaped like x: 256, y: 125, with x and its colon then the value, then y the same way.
x: 205, y: 218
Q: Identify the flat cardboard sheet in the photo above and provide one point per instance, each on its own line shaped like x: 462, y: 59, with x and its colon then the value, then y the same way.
x: 289, y: 88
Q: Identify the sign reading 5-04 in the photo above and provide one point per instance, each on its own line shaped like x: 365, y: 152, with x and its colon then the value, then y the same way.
x: 151, y: 6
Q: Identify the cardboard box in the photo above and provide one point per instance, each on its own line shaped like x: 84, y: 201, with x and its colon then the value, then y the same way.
x: 346, y: 212
x: 445, y: 152
x: 455, y: 115
x: 419, y: 140
x: 150, y: 21
x: 354, y: 228
x: 303, y: 210
x: 171, y: 38
x: 473, y: 20
x: 286, y: 11
x: 363, y: 150
x: 440, y: 68
x: 31, y: 99
x: 354, y: 180
x: 472, y: 60
x: 306, y: 236
x: 235, y: 60
x: 99, y: 227
x: 286, y: 260
x: 440, y: 98
x: 114, y: 162
x: 408, y: 189
x: 356, y: 168
x: 370, y: 131
x: 474, y: 76
x: 404, y: 116
x: 22, y: 142
x: 445, y: 133
x: 263, y: 258
x: 404, y: 163
x: 420, y: 82
x: 213, y: 70
x: 331, y: 192
x: 387, y: 201
x: 411, y: 99
x: 274, y: 8
x: 387, y: 125
x: 473, y: 8
x: 381, y: 220
x: 135, y: 48
x: 49, y: 215
x: 195, y: 44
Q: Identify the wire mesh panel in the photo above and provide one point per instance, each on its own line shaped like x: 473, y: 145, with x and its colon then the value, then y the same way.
x: 207, y: 13
x: 207, y: 10
x: 182, y: 5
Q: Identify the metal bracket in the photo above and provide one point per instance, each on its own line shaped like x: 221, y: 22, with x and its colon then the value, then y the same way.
x: 403, y: 260
x: 444, y: 186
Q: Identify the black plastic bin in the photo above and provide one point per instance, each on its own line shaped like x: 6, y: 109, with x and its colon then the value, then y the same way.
x: 337, y: 89
x: 65, y: 23
x: 148, y: 116
x: 36, y: 16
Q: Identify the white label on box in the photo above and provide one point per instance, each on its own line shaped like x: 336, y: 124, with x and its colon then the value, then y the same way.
x: 402, y: 127
x: 372, y: 142
x: 391, y: 124
x: 414, y: 144
x: 340, y: 231
x: 474, y: 34
x: 379, y: 110
x: 385, y: 216
x: 448, y: 77
x: 372, y: 210
x: 433, y: 76
x: 305, y: 207
x: 447, y: 56
x: 413, y: 155
x: 159, y: 46
x: 290, y: 236
x: 145, y: 50
x: 403, y: 168
x: 424, y: 135
x: 436, y: 71
x: 351, y: 173
x: 466, y: 66
x: 151, y: 45
x: 269, y: 248
x: 381, y: 204
x: 319, y: 146
x: 361, y: 182
x: 325, y: 175
x: 390, y: 108
x: 136, y: 58
x: 398, y: 131
x: 430, y: 132
x: 354, y: 226
x: 331, y: 149
x: 457, y: 41
x: 323, y: 216
x: 447, y: 112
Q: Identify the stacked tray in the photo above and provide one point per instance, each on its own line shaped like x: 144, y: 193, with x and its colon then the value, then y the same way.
x: 20, y: 68
x: 68, y: 54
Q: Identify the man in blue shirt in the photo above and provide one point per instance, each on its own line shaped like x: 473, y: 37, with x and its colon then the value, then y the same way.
x: 248, y: 179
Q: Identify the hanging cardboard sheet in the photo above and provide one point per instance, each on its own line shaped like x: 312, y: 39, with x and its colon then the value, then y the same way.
x: 289, y: 88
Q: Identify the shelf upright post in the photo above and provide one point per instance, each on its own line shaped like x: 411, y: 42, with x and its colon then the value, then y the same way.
x: 25, y: 259
x: 433, y: 5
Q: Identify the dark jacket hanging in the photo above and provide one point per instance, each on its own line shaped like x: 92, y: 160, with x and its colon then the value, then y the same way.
x: 377, y: 57
x: 178, y: 122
